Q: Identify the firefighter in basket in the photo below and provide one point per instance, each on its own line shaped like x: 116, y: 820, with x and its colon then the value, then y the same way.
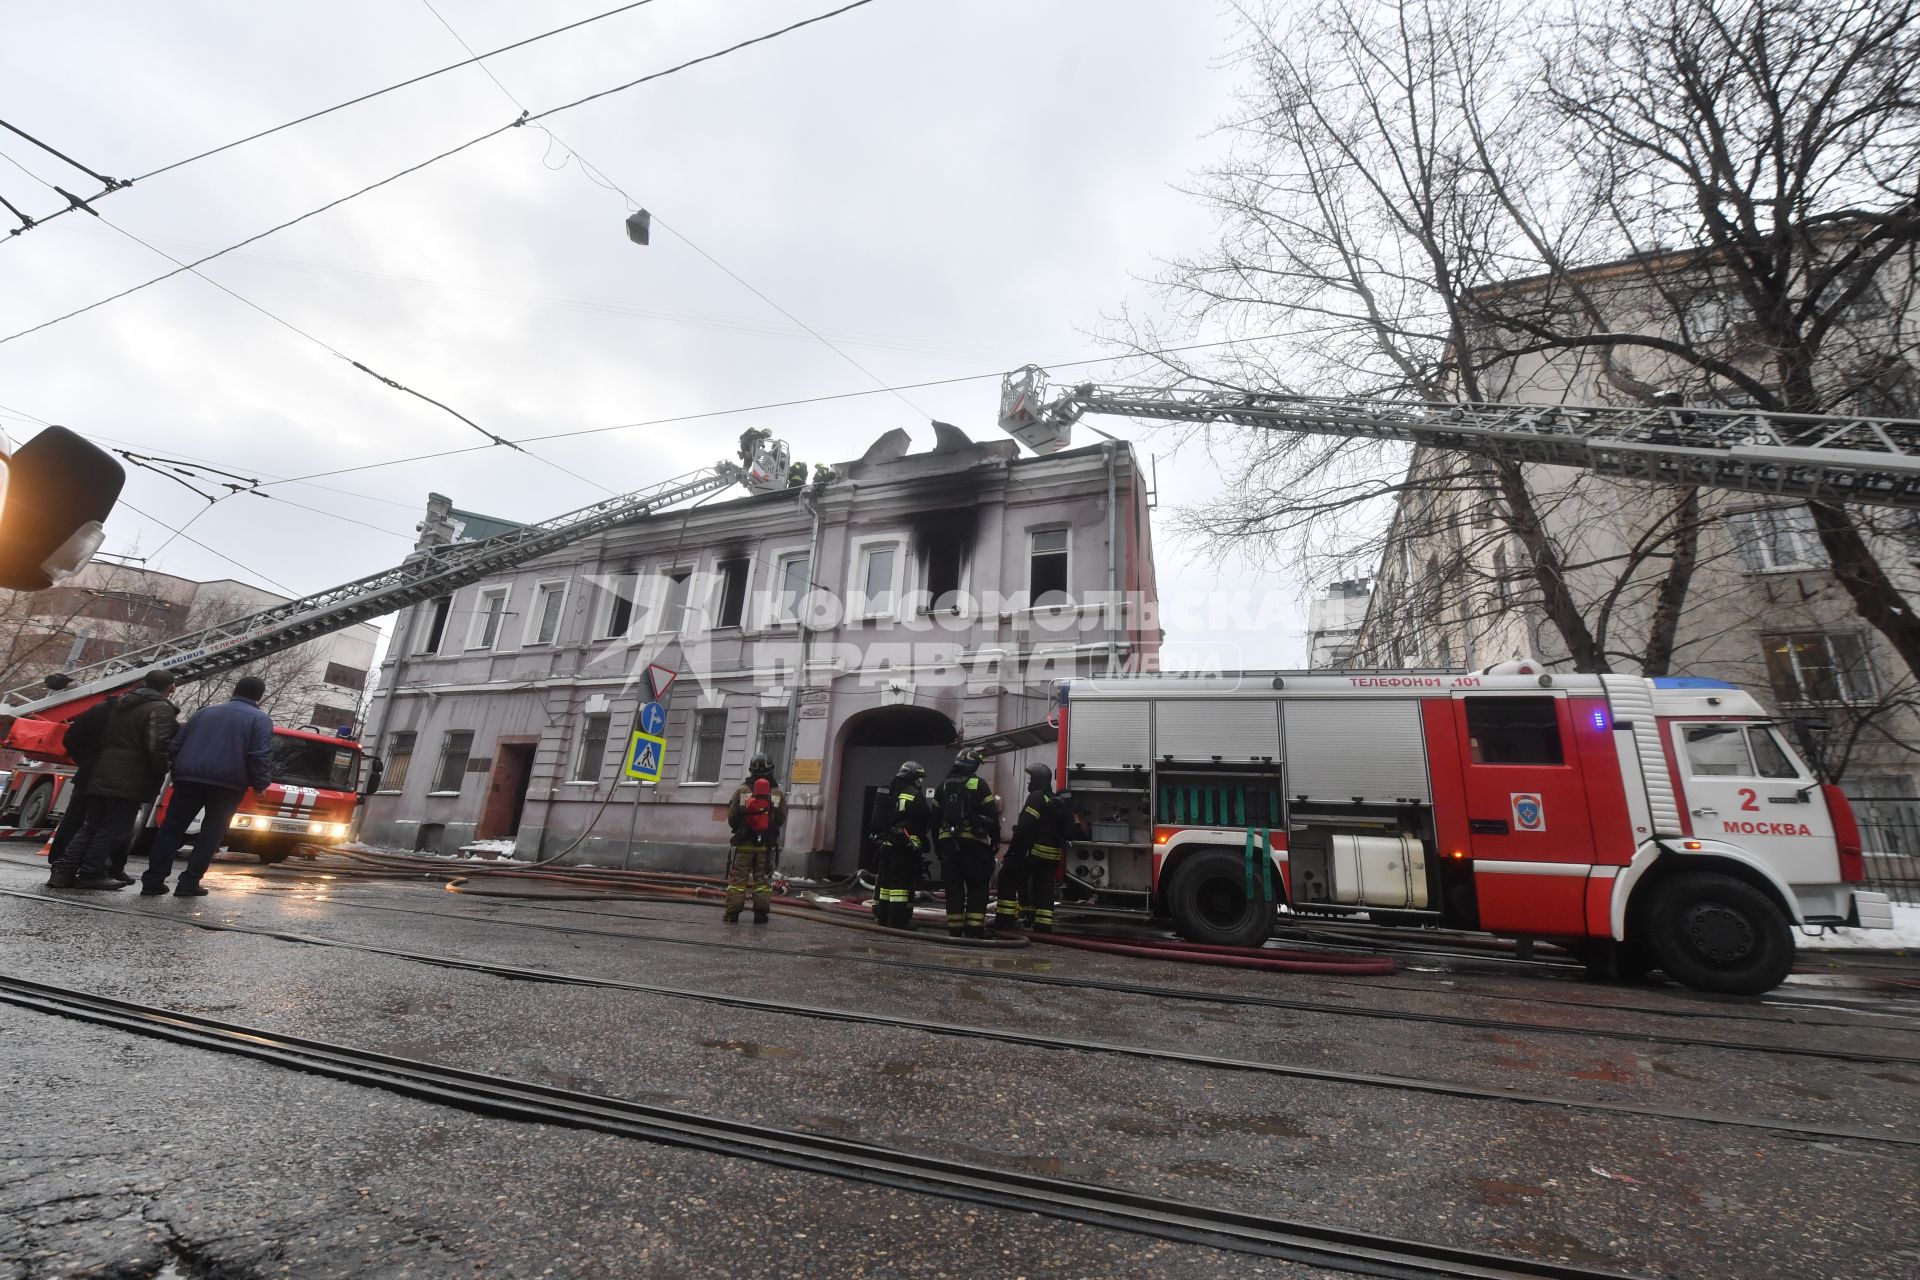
x: 1040, y: 838
x: 757, y: 815
x: 969, y: 830
x: 905, y: 835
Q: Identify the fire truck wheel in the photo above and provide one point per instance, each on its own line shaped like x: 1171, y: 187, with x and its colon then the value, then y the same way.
x: 33, y: 811
x: 1209, y: 902
x: 1715, y: 933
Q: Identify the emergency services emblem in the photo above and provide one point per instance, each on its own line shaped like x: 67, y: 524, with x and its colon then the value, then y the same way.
x: 1528, y: 813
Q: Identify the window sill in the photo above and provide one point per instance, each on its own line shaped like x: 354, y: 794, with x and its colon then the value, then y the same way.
x: 1782, y: 570
x: 394, y: 792
x: 714, y: 783
x: 432, y: 794
x: 581, y: 782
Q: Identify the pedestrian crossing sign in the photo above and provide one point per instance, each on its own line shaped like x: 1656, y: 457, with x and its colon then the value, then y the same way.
x: 645, y: 754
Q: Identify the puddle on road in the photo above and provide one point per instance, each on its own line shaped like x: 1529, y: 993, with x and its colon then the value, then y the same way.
x: 1893, y: 1077
x: 1214, y: 1171
x: 752, y: 1049
x: 1500, y: 1194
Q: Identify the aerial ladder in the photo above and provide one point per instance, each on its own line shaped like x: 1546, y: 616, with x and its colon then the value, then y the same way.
x: 1795, y: 455
x: 29, y: 714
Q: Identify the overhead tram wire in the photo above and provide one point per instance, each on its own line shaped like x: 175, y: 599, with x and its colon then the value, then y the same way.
x: 320, y: 342
x: 601, y: 178
x: 776, y: 404
x: 326, y: 111
x: 435, y: 159
x: 278, y: 586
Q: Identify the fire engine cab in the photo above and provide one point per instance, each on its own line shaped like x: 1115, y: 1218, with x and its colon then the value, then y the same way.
x: 311, y: 799
x: 1642, y: 823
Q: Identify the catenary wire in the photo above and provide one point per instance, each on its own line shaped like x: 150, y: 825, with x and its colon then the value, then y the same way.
x: 432, y: 160
x: 775, y: 404
x: 350, y: 102
x: 280, y: 586
x: 111, y: 184
x: 601, y: 178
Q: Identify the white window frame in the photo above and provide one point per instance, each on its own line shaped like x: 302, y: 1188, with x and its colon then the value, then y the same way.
x: 1032, y: 533
x: 477, y: 623
x: 580, y: 748
x: 662, y: 588
x: 693, y: 747
x: 770, y: 618
x: 532, y: 632
x: 1756, y: 533
x: 857, y: 579
x: 1842, y: 679
x: 612, y: 585
x: 760, y: 714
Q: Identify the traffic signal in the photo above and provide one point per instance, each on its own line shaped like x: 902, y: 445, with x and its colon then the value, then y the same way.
x: 56, y: 492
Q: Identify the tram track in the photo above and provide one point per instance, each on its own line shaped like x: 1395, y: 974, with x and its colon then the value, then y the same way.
x: 1182, y: 994
x: 335, y: 877
x: 1411, y: 1084
x: 1148, y: 1214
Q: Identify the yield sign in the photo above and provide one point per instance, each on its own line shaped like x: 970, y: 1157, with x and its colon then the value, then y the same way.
x: 660, y: 679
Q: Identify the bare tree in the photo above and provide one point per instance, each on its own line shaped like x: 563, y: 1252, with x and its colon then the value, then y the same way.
x: 1452, y: 199
x: 295, y: 677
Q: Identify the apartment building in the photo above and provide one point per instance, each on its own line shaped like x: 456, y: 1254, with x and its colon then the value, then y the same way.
x: 1457, y: 583
x: 908, y: 603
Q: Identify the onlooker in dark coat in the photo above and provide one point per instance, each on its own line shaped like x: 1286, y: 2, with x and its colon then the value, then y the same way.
x: 223, y: 750
x: 127, y: 773
x: 83, y: 748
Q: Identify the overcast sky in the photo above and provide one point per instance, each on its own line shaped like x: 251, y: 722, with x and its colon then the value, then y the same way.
x: 940, y: 189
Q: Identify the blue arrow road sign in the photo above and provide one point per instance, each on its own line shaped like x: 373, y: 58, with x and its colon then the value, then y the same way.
x: 653, y: 720
x: 645, y: 754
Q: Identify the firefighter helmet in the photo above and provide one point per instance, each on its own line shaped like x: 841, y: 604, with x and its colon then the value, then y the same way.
x: 912, y: 771
x: 968, y: 760
x: 1039, y: 777
x: 760, y: 767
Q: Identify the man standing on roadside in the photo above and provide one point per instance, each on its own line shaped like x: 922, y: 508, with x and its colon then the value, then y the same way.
x: 223, y: 750
x: 127, y: 772
x: 82, y: 745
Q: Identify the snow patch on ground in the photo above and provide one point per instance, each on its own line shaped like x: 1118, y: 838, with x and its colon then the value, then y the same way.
x: 1904, y: 936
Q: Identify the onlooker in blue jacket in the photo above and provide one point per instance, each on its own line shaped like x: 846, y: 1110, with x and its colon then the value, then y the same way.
x: 222, y: 751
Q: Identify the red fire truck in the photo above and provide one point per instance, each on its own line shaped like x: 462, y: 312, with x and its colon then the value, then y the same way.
x: 1642, y: 823
x: 315, y: 786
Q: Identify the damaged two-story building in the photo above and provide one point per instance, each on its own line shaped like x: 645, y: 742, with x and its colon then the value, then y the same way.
x: 902, y: 605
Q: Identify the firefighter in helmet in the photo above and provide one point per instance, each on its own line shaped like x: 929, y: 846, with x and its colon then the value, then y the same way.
x: 968, y: 814
x: 757, y: 816
x: 1040, y: 838
x: 908, y: 831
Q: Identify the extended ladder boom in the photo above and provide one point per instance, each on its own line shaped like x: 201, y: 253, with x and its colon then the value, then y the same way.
x: 1798, y: 455
x: 431, y: 572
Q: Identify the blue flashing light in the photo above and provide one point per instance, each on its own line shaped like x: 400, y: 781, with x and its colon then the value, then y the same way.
x: 1690, y: 682
x: 1600, y: 720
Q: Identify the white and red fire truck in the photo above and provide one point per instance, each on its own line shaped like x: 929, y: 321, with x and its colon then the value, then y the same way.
x: 1643, y: 823
x: 316, y: 779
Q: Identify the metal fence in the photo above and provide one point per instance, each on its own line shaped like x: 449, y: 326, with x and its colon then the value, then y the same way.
x: 1890, y: 834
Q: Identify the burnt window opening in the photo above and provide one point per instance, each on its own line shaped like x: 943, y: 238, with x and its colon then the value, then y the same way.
x: 1047, y: 555
x: 945, y: 559
x: 437, y: 611
x: 733, y: 593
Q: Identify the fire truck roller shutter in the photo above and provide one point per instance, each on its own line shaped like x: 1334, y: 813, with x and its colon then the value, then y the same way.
x: 1342, y: 749
x: 1234, y: 732
x: 1107, y: 733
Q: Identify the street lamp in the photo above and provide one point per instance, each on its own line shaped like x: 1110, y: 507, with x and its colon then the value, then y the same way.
x: 639, y: 226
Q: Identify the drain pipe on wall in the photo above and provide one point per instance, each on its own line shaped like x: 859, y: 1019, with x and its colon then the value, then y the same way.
x: 806, y: 638
x: 1113, y: 552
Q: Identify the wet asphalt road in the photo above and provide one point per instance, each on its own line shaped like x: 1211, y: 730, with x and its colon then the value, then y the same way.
x: 124, y: 1156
